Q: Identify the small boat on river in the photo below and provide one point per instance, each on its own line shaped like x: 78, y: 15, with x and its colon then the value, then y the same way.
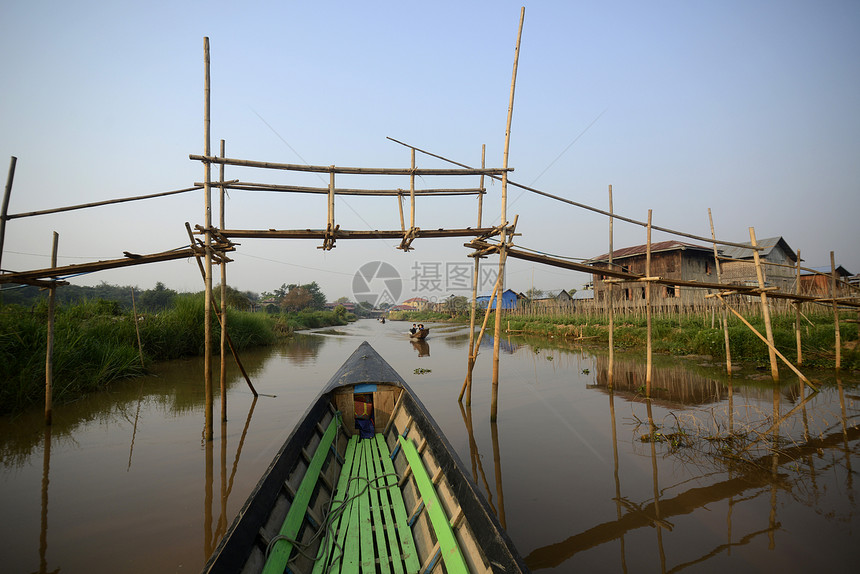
x: 366, y: 482
x: 419, y: 334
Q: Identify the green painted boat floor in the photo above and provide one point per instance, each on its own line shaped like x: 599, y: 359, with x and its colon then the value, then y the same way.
x: 371, y: 525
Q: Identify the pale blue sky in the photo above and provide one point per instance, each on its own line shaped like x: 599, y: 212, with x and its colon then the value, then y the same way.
x: 749, y: 108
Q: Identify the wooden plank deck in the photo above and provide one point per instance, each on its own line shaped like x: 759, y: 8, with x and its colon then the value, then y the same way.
x: 368, y: 528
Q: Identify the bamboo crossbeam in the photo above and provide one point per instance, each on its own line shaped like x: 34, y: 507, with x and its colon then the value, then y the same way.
x: 252, y: 186
x: 580, y: 205
x: 585, y: 268
x: 349, y: 233
x: 105, y: 202
x: 347, y: 170
x: 24, y: 277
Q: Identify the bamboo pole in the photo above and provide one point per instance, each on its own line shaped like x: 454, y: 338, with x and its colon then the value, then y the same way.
x: 223, y: 315
x: 207, y: 345
x: 346, y: 170
x: 217, y: 316
x: 7, y: 193
x: 277, y: 188
x: 412, y: 193
x: 725, y: 314
x: 768, y: 343
x: 137, y: 328
x: 480, y: 335
x: 470, y: 362
x: 765, y: 311
x: 49, y: 353
x: 101, y: 203
x: 648, y: 308
x: 798, y: 313
x: 611, y: 308
x: 400, y: 208
x: 494, y: 406
x: 481, y: 195
x: 838, y: 342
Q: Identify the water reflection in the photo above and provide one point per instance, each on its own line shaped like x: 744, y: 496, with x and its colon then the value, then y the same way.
x: 303, y: 349
x: 421, y: 347
x: 732, y: 473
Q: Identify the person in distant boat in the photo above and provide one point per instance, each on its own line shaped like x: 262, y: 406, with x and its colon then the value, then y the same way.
x: 414, y: 329
x: 421, y: 326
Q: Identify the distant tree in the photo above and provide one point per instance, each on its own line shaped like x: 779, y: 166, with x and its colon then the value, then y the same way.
x: 156, y: 299
x: 297, y: 299
x: 534, y: 293
x: 342, y: 300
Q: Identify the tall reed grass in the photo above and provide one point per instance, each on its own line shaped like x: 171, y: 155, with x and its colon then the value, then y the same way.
x: 95, y: 343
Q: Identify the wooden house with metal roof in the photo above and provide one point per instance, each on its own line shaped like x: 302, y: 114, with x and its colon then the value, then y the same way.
x: 779, y: 264
x: 669, y: 260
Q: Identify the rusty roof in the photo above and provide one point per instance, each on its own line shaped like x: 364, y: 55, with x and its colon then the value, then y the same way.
x: 660, y: 246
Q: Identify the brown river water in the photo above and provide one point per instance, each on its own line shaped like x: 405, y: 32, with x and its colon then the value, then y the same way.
x: 124, y: 481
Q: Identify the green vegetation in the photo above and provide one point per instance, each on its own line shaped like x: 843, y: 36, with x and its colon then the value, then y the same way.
x: 95, y: 343
x: 693, y: 335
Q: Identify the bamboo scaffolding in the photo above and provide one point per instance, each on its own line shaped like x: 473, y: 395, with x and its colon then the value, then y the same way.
x: 49, y: 353
x: 798, y: 313
x: 347, y: 170
x: 267, y: 187
x: 207, y: 169
x: 81, y: 268
x: 611, y: 306
x: 838, y: 341
x: 222, y: 316
x: 519, y: 253
x: 351, y: 233
x: 137, y: 331
x: 725, y: 314
x: 494, y: 406
x: 218, y: 316
x: 4, y: 209
x: 648, y: 310
x: 470, y: 361
x: 765, y: 310
x: 493, y: 296
x: 105, y: 202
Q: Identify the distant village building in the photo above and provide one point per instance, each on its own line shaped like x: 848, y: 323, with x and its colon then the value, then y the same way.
x: 416, y: 304
x: 817, y: 281
x: 552, y: 300
x: 669, y: 260
x: 509, y: 300
x: 738, y: 267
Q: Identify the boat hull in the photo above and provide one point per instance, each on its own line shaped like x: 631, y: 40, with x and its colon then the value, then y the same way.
x: 401, y: 419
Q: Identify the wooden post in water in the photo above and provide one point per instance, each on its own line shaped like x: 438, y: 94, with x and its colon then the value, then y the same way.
x: 5, y: 208
x: 137, y: 328
x: 648, y: 307
x: 611, y: 309
x: 223, y: 314
x: 470, y: 364
x: 725, y: 313
x: 49, y: 354
x: 207, y: 313
x: 838, y: 343
x: 765, y: 311
x: 797, y: 313
x: 494, y: 406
